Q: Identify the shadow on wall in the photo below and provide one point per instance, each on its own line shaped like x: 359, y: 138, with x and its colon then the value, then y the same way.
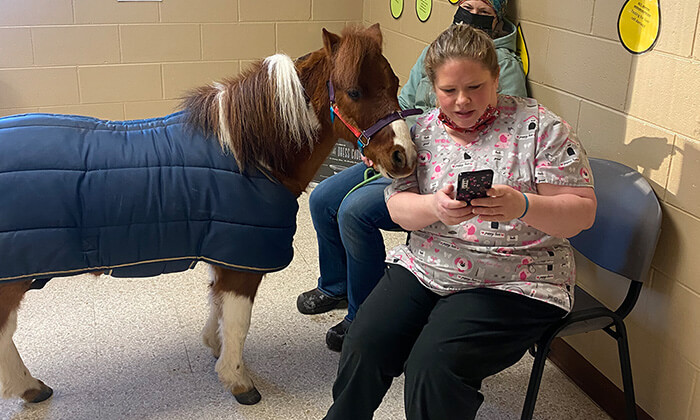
x: 655, y: 150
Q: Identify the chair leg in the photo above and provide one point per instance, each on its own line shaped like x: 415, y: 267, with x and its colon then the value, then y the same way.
x: 626, y: 369
x: 533, y: 386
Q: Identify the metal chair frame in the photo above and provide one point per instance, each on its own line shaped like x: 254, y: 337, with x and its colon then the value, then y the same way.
x: 629, y: 216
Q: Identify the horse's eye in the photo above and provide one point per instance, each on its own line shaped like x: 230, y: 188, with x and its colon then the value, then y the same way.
x: 354, y: 94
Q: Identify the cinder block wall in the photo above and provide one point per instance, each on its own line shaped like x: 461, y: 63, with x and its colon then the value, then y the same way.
x: 133, y: 60
x: 126, y: 60
x: 643, y: 111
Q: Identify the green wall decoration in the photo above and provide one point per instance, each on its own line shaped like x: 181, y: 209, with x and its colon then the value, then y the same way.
x: 396, y: 7
x: 423, y: 9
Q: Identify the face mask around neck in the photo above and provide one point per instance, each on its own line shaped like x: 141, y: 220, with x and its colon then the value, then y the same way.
x: 485, y: 23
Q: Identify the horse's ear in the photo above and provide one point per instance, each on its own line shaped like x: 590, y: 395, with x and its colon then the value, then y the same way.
x: 375, y: 33
x: 330, y: 42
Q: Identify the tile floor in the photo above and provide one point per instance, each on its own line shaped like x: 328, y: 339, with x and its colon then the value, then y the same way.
x: 130, y: 349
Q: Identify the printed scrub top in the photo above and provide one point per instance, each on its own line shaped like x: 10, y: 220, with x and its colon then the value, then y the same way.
x: 526, y: 145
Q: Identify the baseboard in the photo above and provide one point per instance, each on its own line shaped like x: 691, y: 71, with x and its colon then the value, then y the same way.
x: 596, y: 385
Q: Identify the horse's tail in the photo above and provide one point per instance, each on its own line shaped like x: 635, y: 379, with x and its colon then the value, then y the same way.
x: 261, y: 116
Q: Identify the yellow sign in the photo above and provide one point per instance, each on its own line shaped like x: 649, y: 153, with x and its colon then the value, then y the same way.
x: 396, y: 8
x: 423, y: 9
x: 522, y: 51
x: 454, y: 1
x: 639, y: 24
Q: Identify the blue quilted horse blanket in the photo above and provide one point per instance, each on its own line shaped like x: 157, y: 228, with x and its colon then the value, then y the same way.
x: 132, y: 198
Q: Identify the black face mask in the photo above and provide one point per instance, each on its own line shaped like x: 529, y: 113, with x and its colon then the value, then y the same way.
x: 485, y: 23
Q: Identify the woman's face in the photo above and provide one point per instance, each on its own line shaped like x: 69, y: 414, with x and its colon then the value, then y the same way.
x: 480, y: 7
x: 464, y: 89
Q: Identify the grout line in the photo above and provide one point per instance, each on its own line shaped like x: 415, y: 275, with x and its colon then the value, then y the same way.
x: 31, y: 42
x: 674, y: 151
x: 548, y: 25
x: 628, y: 90
x: 693, y: 387
x: 77, y: 81
x: 121, y: 44
x: 201, y: 42
x: 695, y: 36
x: 623, y: 113
x: 162, y: 81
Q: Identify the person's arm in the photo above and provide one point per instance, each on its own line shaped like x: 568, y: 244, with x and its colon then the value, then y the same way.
x: 556, y: 210
x: 414, y: 211
x: 512, y: 77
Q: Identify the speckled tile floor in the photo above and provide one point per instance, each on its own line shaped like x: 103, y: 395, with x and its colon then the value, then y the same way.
x: 130, y: 349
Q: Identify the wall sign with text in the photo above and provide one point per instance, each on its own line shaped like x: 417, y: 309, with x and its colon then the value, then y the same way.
x: 639, y: 24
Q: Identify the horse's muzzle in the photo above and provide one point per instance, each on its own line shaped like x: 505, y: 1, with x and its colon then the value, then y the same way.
x: 403, y: 162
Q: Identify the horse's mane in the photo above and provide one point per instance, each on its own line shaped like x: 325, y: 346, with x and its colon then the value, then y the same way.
x: 261, y: 116
x: 356, y: 46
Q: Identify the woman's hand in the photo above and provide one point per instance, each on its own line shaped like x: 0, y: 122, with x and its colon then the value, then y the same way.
x: 367, y: 161
x: 448, y: 210
x: 503, y: 204
x: 556, y: 210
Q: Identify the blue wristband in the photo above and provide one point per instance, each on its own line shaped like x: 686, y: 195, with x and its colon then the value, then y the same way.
x: 527, y: 205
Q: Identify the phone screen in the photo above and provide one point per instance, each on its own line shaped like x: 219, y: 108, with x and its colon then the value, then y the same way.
x: 474, y: 184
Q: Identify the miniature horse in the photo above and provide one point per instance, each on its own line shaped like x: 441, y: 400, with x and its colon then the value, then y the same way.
x: 278, y: 118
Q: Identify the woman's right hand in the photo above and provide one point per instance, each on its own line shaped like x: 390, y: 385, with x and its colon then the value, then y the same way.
x: 448, y: 210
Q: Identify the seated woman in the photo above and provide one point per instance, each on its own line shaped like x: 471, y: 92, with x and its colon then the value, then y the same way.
x: 350, y: 244
x: 478, y: 282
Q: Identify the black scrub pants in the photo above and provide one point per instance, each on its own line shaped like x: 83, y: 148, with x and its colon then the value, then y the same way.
x: 445, y: 346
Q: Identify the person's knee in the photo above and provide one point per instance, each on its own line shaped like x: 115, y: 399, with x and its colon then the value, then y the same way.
x: 362, y: 347
x: 350, y: 216
x: 355, y: 216
x: 366, y: 336
x: 431, y: 363
x: 319, y: 203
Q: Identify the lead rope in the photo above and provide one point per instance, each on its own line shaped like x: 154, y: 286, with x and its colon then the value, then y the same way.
x: 369, y: 176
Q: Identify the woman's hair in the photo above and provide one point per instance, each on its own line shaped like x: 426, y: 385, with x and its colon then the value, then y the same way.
x: 458, y: 42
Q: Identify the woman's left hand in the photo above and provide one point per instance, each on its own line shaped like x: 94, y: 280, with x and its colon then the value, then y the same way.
x: 503, y: 203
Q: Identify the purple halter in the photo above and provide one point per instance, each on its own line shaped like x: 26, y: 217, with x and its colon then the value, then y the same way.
x: 364, y: 136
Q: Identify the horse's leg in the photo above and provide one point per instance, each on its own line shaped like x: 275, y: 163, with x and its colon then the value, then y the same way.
x: 15, y: 379
x: 210, y: 333
x: 235, y: 291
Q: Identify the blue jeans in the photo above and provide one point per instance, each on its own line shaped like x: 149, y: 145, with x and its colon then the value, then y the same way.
x: 350, y: 244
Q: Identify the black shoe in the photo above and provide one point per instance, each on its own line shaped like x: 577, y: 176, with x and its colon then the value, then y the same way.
x: 336, y: 335
x: 316, y: 302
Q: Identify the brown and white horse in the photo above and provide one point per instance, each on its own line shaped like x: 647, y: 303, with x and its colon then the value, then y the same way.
x: 276, y: 116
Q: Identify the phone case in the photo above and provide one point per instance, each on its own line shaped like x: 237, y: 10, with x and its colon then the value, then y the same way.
x: 474, y: 184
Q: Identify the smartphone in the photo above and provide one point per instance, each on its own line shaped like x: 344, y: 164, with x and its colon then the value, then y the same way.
x: 473, y: 184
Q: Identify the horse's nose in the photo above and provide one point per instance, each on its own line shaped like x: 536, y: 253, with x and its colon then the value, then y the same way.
x: 398, y: 158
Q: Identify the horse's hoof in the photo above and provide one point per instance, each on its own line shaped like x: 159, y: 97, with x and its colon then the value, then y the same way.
x: 249, y: 397
x: 38, y: 395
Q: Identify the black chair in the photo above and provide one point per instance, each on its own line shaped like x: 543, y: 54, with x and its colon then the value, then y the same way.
x: 622, y: 241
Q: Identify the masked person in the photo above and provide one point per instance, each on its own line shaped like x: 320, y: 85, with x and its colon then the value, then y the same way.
x: 350, y: 243
x: 479, y: 279
x: 486, y: 15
